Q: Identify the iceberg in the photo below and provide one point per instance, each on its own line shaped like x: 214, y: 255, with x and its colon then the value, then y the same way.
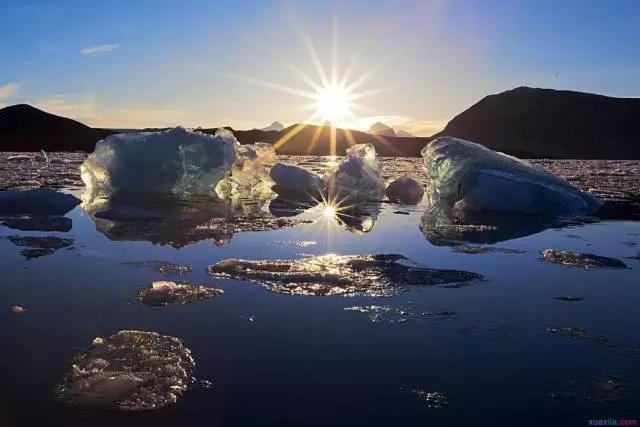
x: 473, y: 178
x: 173, y: 162
x: 295, y: 181
x: 357, y: 177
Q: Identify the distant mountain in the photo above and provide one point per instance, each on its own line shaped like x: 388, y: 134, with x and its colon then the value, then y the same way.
x: 316, y: 140
x: 26, y: 128
x: 537, y: 123
x: 404, y: 134
x: 277, y: 126
x: 379, y: 128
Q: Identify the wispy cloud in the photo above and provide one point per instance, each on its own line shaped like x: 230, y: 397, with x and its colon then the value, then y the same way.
x: 100, y: 48
x: 8, y: 90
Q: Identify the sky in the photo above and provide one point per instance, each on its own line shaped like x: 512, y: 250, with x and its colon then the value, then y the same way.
x: 125, y: 64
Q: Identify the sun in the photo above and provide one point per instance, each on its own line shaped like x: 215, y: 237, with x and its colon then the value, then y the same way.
x: 335, y: 96
x: 333, y: 104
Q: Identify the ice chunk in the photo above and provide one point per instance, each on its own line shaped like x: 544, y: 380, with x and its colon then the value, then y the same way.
x: 474, y: 178
x: 577, y: 259
x: 249, y: 175
x: 294, y: 181
x: 405, y: 190
x: 357, y: 176
x: 41, y: 201
x: 162, y: 293
x: 176, y: 161
x: 42, y: 157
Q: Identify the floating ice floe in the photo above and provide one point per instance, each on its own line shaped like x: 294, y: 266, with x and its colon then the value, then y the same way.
x: 41, y: 201
x: 577, y: 259
x: 404, y: 190
x: 128, y: 371
x: 162, y: 293
x: 371, y: 275
x: 295, y: 182
x: 473, y: 178
x: 357, y: 177
x: 176, y: 161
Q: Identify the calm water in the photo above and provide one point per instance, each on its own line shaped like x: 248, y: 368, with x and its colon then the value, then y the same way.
x: 305, y: 360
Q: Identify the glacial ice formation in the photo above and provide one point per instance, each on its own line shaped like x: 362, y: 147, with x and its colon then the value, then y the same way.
x: 295, y: 181
x: 357, y: 176
x: 405, y: 190
x: 474, y: 178
x: 176, y: 161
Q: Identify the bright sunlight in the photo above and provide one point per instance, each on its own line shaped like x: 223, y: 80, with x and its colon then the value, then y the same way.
x: 333, y: 104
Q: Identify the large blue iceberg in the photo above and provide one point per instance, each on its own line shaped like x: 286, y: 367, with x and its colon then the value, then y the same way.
x: 473, y: 178
x: 176, y: 162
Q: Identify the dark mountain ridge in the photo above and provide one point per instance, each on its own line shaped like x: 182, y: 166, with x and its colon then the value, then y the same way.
x: 526, y: 122
x: 539, y: 123
x: 26, y: 128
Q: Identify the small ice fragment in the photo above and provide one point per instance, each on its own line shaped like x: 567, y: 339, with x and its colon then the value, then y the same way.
x: 577, y: 259
x: 17, y: 309
x: 295, y: 181
x: 404, y: 190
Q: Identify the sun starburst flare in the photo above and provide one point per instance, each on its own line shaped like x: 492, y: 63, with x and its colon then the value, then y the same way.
x: 333, y: 97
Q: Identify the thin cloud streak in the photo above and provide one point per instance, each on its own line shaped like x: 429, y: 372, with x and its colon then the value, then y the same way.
x: 101, y: 48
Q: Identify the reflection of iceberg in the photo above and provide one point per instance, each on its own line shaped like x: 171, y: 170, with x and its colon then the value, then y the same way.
x: 176, y: 161
x: 442, y: 225
x: 357, y: 177
x: 180, y: 221
x: 358, y: 219
x: 473, y: 178
x: 41, y: 201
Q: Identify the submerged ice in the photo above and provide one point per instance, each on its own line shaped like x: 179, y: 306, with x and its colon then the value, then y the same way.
x: 128, y: 371
x: 371, y: 275
x: 176, y: 161
x: 473, y: 178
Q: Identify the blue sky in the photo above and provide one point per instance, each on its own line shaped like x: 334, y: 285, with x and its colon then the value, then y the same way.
x: 196, y: 63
